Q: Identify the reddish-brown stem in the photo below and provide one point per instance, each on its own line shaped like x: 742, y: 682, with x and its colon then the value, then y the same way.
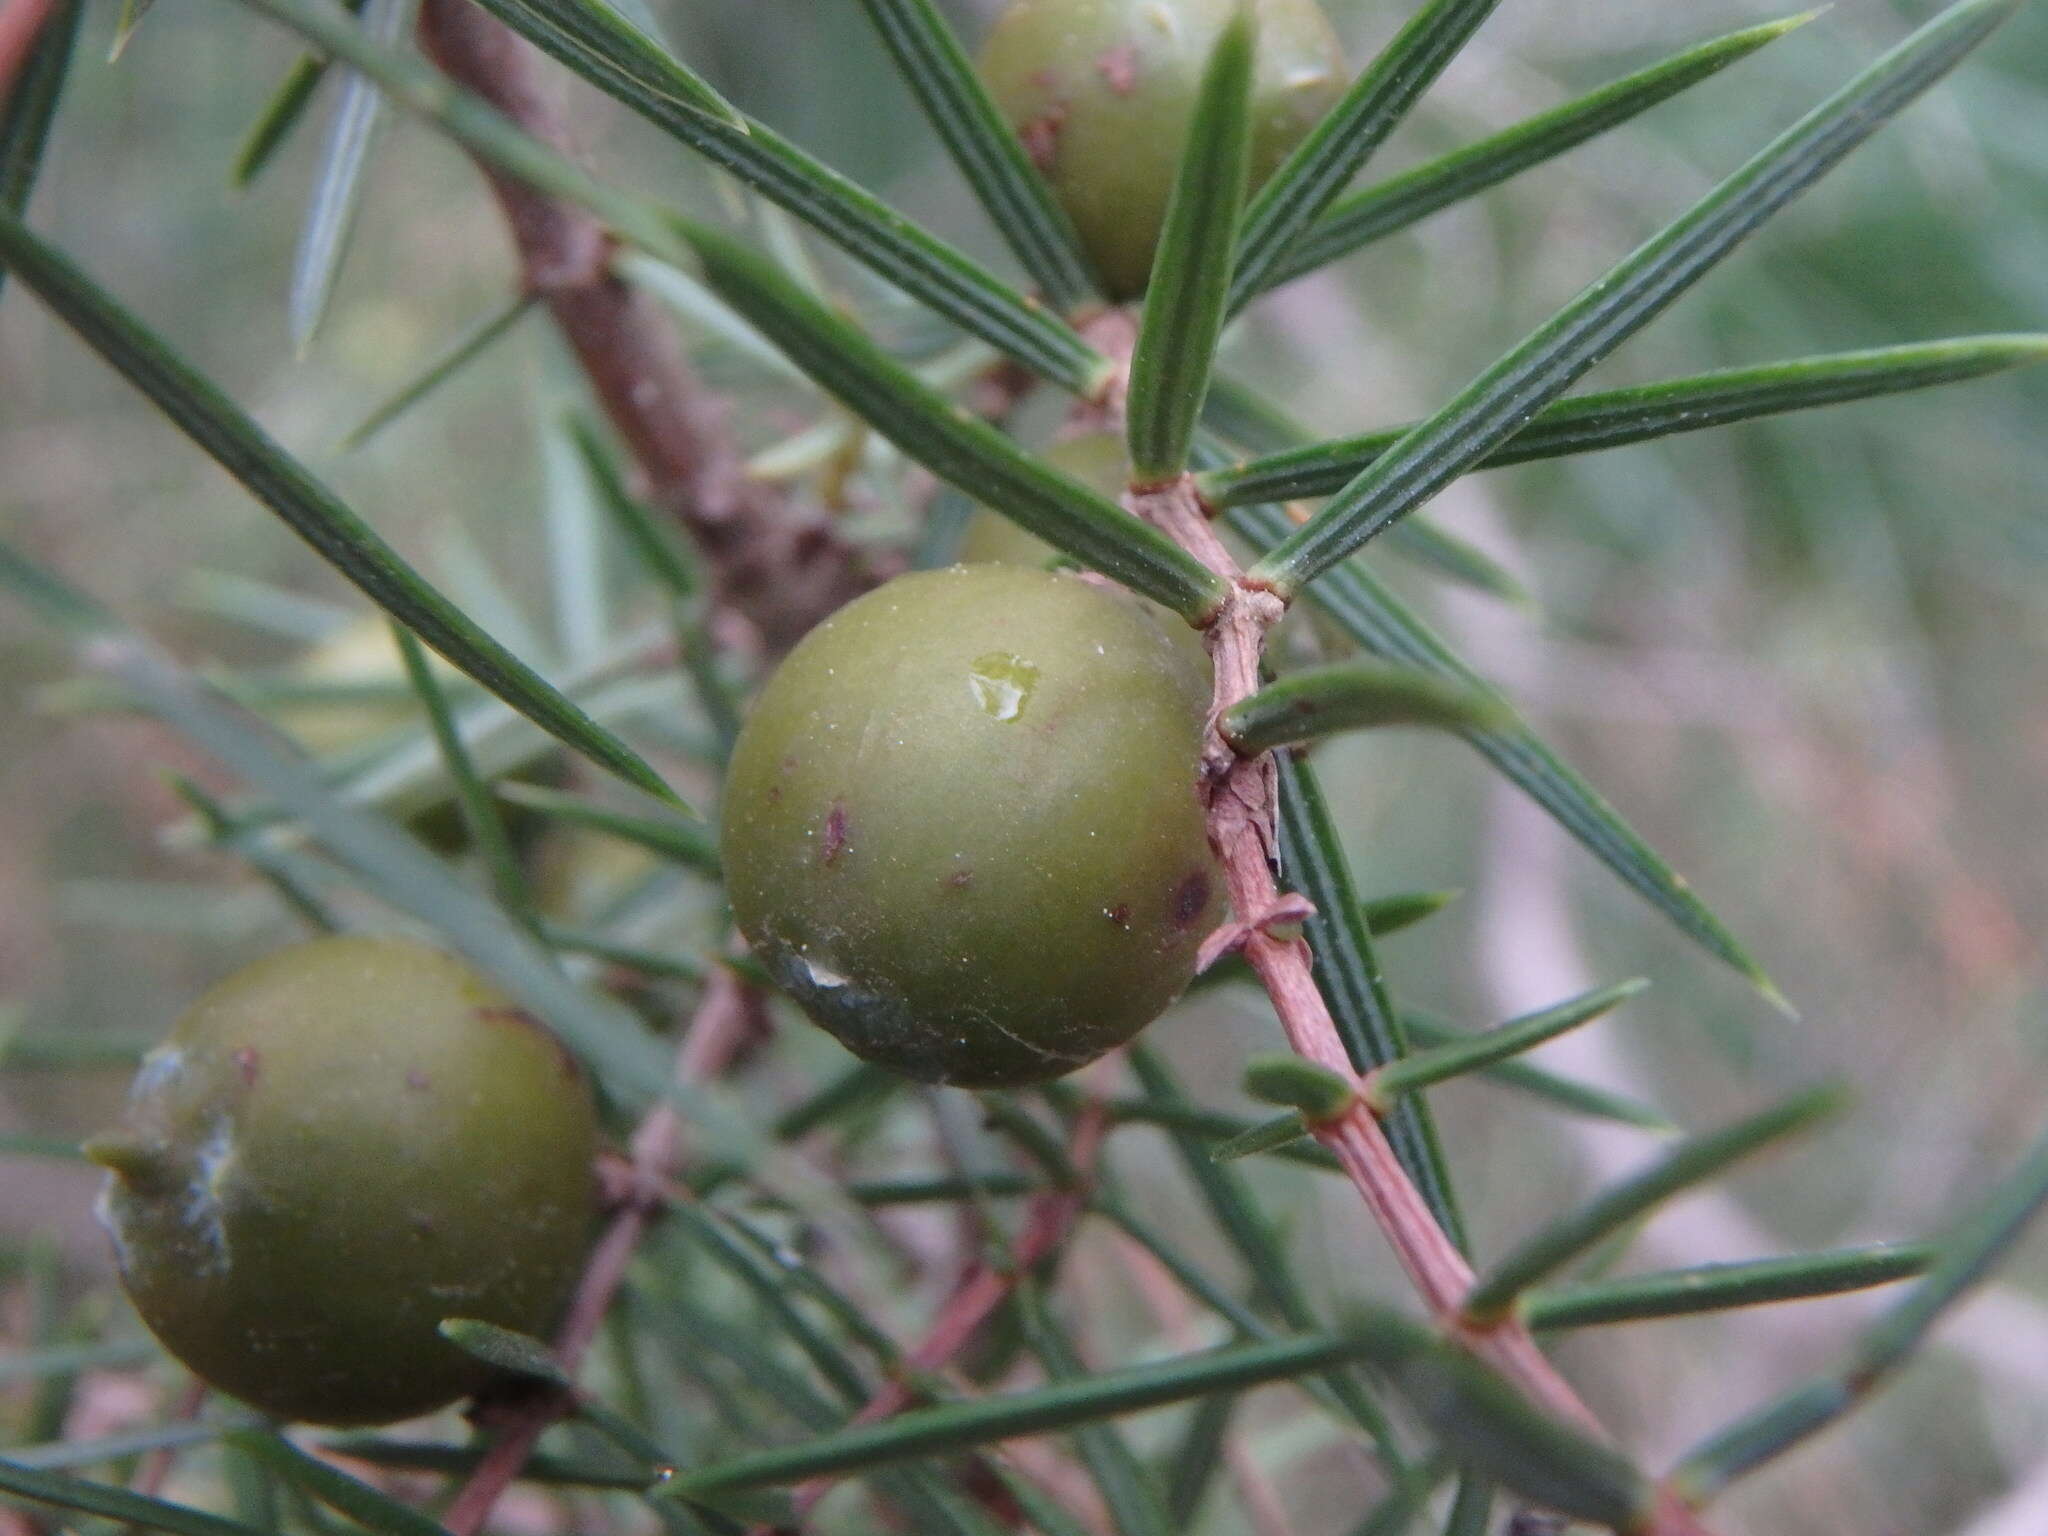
x: 778, y: 563
x: 983, y: 1288
x: 1263, y: 1507
x: 1241, y: 795
x: 155, y: 1468
x: 721, y: 1025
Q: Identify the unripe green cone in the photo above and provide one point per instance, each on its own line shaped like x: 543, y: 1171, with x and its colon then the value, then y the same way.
x: 1096, y: 459
x: 961, y: 824
x: 1100, y: 92
x: 335, y: 1149
x: 992, y: 539
x: 1099, y: 461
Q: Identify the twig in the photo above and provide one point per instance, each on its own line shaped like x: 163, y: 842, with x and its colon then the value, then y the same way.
x: 155, y: 1468
x: 776, y: 563
x: 983, y: 1288
x: 1241, y: 795
x: 721, y: 1025
x: 1264, y: 1510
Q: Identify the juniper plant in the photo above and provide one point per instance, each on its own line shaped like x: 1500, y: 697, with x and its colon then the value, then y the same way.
x: 730, y: 1356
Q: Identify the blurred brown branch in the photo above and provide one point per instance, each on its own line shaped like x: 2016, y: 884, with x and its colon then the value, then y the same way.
x: 776, y: 562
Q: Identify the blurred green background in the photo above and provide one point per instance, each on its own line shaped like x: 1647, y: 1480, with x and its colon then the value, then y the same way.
x: 1808, y: 658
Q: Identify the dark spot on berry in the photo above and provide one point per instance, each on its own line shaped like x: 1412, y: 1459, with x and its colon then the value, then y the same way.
x: 789, y: 765
x: 835, y: 834
x: 1041, y: 137
x: 1191, y: 899
x: 1119, y: 69
x: 960, y: 879
x: 418, y: 1081
x: 1120, y: 914
x: 249, y: 1062
x: 775, y: 794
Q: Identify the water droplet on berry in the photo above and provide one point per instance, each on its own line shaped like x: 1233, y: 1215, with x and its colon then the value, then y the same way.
x: 1002, y: 684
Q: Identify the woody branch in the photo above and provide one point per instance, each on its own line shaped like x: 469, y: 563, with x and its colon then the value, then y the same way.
x: 776, y: 561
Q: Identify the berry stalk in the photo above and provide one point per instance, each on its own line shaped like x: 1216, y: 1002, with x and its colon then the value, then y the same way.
x: 716, y: 1032
x: 982, y: 1289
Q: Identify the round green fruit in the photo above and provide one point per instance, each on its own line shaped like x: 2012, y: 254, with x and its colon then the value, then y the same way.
x: 335, y: 1149
x: 1096, y: 459
x: 961, y: 824
x: 1100, y: 92
x: 992, y: 539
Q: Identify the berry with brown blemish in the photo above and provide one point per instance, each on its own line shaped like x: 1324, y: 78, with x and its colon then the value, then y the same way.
x: 282, y: 1134
x: 1100, y: 93
x: 1016, y: 752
